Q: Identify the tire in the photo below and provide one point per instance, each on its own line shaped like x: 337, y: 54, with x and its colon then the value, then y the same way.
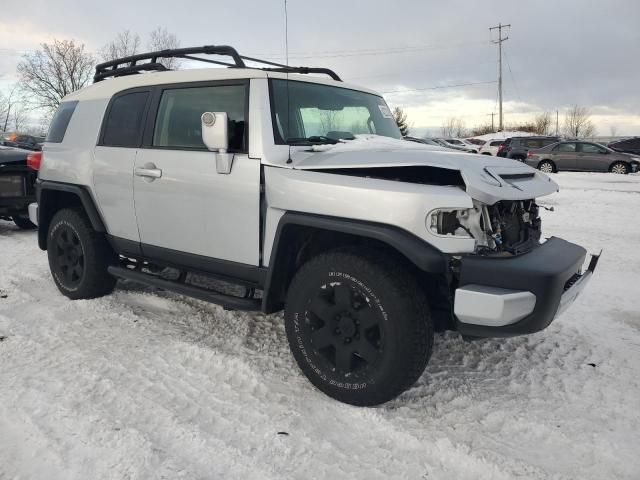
x: 23, y: 223
x: 358, y: 326
x: 547, y: 166
x: 78, y: 256
x: 620, y: 168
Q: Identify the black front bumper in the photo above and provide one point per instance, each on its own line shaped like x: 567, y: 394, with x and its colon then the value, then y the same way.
x: 549, y: 272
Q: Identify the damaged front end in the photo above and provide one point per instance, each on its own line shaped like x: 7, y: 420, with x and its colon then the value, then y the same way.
x: 508, y: 227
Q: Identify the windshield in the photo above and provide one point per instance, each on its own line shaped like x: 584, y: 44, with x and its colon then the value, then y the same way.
x: 319, y: 112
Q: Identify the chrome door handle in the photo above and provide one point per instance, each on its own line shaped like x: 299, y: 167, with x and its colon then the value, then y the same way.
x: 148, y: 172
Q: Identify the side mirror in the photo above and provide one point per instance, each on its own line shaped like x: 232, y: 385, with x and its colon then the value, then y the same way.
x: 215, y: 131
x: 215, y: 136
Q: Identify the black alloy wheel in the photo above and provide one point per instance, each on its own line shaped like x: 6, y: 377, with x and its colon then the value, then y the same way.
x: 69, y: 256
x: 345, y: 329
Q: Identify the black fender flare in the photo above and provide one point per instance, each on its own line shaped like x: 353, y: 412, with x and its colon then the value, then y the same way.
x: 423, y: 255
x: 46, y: 209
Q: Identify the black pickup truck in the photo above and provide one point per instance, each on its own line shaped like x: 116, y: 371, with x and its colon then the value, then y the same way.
x: 17, y: 191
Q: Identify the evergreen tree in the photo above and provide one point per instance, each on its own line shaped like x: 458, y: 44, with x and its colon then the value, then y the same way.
x: 401, y: 119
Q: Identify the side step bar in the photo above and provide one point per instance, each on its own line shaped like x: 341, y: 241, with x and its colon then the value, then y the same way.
x: 227, y: 301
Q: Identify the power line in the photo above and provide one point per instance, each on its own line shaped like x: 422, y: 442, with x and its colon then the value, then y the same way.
x: 499, y: 42
x: 440, y: 87
x: 513, y: 78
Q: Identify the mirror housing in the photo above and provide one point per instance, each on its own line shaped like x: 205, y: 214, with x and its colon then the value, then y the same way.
x: 215, y: 136
x: 215, y: 131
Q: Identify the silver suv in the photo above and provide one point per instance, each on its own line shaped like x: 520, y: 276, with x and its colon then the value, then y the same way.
x: 300, y: 192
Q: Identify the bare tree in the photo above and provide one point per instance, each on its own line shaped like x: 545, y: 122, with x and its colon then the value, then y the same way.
x: 161, y: 39
x: 124, y: 45
x: 454, y: 127
x: 7, y: 105
x: 614, y: 130
x: 18, y: 119
x: 577, y: 123
x: 330, y: 119
x: 543, y: 123
x: 526, y: 126
x: 54, y: 71
x: 482, y: 130
x: 3, y: 112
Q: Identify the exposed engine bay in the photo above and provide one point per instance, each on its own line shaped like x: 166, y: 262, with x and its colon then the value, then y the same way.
x: 507, y: 227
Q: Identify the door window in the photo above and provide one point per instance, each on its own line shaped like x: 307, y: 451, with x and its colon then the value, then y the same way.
x: 123, y: 124
x: 533, y: 143
x: 566, y: 147
x: 178, y: 122
x: 591, y: 148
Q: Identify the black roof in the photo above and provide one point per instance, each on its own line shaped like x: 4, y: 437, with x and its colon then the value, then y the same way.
x: 130, y: 65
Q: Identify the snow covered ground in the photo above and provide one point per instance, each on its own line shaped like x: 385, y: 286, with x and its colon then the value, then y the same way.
x: 147, y: 384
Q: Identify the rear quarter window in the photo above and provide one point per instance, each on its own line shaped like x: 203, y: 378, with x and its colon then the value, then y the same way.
x: 60, y: 122
x: 123, y: 122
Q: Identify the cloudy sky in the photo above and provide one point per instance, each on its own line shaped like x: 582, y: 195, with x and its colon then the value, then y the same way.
x: 559, y: 52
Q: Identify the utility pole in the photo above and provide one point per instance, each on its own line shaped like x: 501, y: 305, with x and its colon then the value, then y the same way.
x: 499, y: 42
x: 493, y: 114
x: 557, y: 130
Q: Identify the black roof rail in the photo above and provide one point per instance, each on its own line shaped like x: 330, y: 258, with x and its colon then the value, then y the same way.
x: 129, y: 65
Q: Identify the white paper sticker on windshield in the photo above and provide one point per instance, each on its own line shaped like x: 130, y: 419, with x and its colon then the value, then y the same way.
x: 386, y: 113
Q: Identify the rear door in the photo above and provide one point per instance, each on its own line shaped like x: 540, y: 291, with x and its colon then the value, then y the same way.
x: 592, y: 158
x: 186, y: 210
x: 564, y: 156
x: 114, y: 160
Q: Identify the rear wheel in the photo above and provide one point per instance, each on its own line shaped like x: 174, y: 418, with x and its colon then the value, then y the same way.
x: 546, y: 166
x: 78, y: 256
x: 358, y: 326
x: 23, y: 222
x: 620, y: 168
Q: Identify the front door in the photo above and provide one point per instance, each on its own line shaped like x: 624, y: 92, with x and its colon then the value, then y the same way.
x: 185, y: 209
x: 592, y: 158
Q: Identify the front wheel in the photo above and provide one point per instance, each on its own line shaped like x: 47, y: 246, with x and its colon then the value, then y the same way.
x: 358, y: 326
x: 620, y: 168
x: 78, y: 256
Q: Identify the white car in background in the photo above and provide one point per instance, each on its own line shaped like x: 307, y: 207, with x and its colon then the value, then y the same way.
x: 491, y: 147
x: 460, y: 144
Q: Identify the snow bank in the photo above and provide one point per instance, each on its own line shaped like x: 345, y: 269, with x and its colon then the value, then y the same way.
x: 148, y: 384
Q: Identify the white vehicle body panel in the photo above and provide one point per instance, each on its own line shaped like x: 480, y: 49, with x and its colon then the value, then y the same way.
x: 404, y: 205
x: 113, y: 189
x: 193, y: 209
x: 487, y: 179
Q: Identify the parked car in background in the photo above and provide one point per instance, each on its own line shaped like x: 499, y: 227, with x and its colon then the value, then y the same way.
x: 17, y: 181
x: 581, y: 156
x: 518, y: 147
x: 459, y: 144
x: 628, y: 145
x: 426, y: 141
x: 475, y: 141
x: 28, y: 142
x: 491, y: 147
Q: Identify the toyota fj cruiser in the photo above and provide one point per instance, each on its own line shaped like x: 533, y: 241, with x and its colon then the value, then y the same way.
x: 300, y: 191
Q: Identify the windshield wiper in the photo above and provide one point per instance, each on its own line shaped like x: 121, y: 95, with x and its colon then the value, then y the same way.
x: 313, y: 140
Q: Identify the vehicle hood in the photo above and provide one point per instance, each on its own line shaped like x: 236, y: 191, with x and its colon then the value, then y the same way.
x: 487, y: 179
x: 13, y: 156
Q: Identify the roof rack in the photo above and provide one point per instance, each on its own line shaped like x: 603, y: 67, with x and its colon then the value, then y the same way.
x: 129, y: 65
